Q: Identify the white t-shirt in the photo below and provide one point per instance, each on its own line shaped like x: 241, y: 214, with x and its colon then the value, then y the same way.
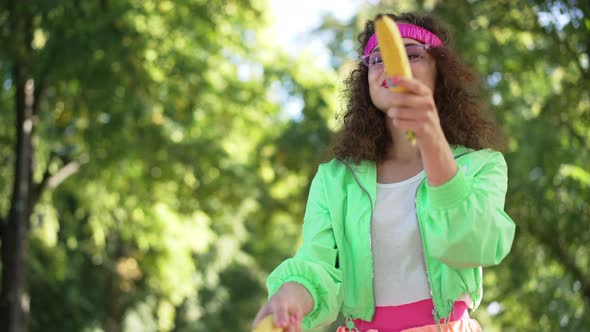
x: 398, y: 254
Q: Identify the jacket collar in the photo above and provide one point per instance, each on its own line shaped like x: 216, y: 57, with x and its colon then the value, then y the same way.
x: 366, y: 171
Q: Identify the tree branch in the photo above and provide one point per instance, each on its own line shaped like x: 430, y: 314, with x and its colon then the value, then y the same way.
x: 558, y: 41
x: 536, y: 28
x: 50, y: 180
x: 557, y: 250
x: 65, y: 172
x: 47, y: 174
x: 573, y: 54
x: 42, y: 79
x: 581, y: 139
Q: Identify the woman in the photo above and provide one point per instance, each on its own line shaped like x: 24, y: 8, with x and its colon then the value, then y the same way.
x: 396, y: 233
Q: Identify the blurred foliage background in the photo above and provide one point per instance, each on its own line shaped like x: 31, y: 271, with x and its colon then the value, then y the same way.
x: 168, y: 179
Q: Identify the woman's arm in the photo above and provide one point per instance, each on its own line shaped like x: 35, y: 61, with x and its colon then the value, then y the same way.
x: 465, y: 224
x: 314, y: 264
x: 415, y: 110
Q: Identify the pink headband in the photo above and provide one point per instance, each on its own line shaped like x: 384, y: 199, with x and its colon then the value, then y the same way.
x: 408, y: 30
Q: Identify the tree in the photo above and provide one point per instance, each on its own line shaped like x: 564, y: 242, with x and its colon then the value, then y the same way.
x: 149, y: 97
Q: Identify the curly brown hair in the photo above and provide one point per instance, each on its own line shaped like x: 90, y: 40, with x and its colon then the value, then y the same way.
x: 364, y: 135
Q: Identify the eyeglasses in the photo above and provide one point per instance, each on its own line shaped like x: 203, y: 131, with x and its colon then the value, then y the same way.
x: 415, y: 53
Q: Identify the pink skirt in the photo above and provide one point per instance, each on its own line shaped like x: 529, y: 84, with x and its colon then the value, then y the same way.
x: 414, y: 315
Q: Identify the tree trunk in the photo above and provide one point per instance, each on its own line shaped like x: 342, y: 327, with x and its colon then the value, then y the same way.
x: 115, y: 304
x: 14, y: 301
x: 115, y: 309
x: 14, y: 298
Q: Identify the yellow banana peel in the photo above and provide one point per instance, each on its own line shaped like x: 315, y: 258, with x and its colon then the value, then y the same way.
x: 393, y: 51
x: 267, y: 325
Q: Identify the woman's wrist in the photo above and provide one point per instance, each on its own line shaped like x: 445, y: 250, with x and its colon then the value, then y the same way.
x: 438, y: 161
x: 306, y: 300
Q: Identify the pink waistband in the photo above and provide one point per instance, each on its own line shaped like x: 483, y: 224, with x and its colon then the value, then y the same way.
x: 396, y: 318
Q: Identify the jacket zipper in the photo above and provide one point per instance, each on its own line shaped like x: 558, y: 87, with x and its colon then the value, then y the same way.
x: 370, y: 239
x: 434, y: 311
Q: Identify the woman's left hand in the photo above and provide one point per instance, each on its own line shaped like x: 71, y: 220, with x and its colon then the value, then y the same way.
x: 415, y: 110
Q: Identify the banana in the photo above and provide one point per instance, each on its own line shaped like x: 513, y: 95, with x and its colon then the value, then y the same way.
x: 393, y: 51
x: 267, y: 325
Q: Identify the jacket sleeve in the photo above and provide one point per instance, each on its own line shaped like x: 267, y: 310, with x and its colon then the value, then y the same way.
x: 314, y: 264
x: 466, y: 225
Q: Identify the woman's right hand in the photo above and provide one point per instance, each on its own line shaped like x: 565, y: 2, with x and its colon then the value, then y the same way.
x: 288, y: 306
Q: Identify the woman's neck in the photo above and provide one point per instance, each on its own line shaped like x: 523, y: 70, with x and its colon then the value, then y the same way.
x: 402, y: 161
x: 401, y: 149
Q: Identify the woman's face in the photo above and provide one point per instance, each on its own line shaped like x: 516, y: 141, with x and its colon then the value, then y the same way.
x: 423, y: 69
